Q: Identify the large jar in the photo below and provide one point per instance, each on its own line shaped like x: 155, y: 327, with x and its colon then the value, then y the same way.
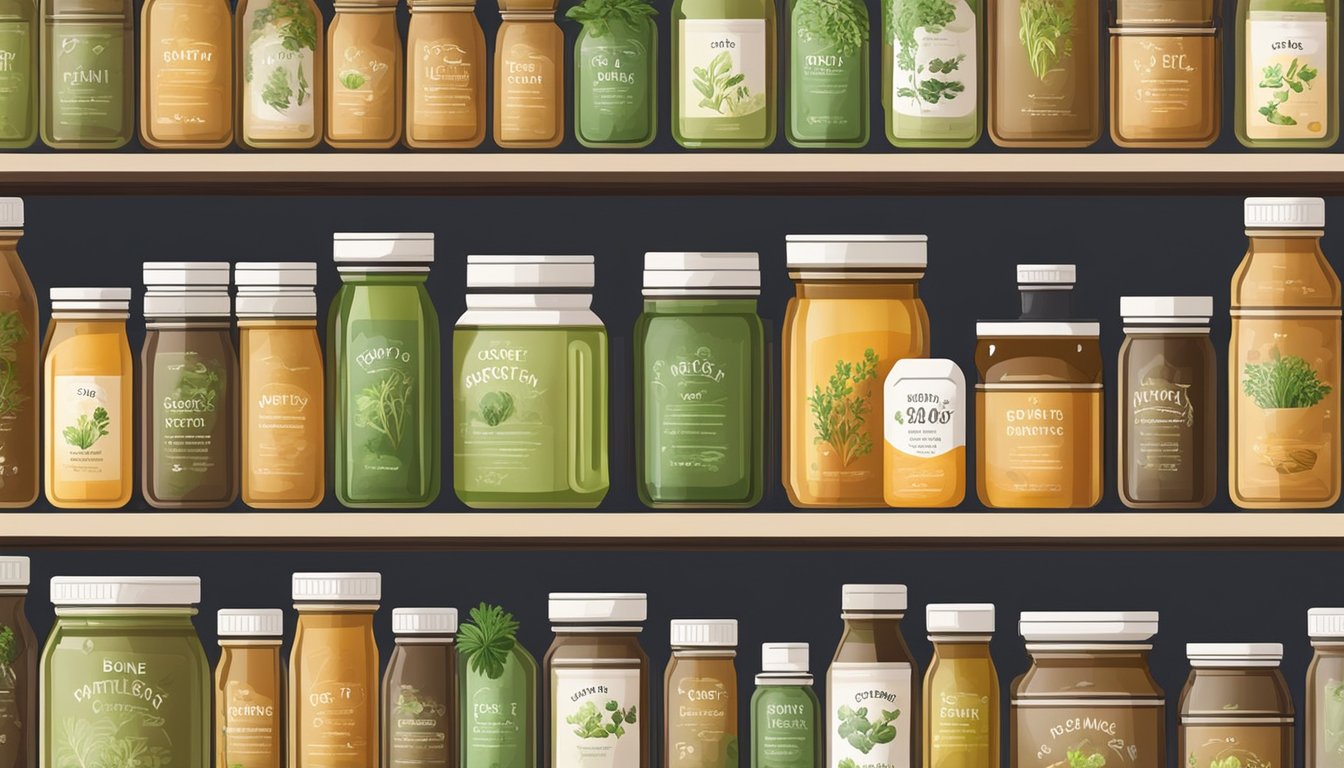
x: 1088, y: 693
x: 18, y: 687
x: 20, y: 358
x: 530, y: 385
x: 700, y: 381
x: 1325, y: 689
x: 1236, y: 708
x: 856, y: 311
x: 250, y: 689
x: 1168, y: 403
x: 125, y: 680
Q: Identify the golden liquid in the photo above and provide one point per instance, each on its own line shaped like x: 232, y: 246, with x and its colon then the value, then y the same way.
x: 529, y: 84
x: 445, y: 79
x: 186, y: 74
x: 1165, y: 89
x: 961, y: 707
x: 364, y: 72
x: 283, y: 430
x: 701, y: 722
x: 248, y: 684
x: 19, y: 451
x: 917, y: 481
x: 333, y: 690
x: 1039, y: 448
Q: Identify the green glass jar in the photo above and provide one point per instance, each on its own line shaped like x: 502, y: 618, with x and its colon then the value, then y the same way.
x: 828, y: 74
x: 723, y: 73
x: 931, y: 63
x: 1287, y: 76
x: 499, y: 698
x: 700, y: 381
x: 125, y: 680
x: 18, y: 73
x: 615, y: 74
x: 88, y: 74
x: 530, y: 385
x: 383, y: 373
x: 785, y: 714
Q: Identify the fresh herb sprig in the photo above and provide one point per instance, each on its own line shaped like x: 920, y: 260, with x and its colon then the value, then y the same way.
x: 12, y: 396
x: 596, y: 15
x: 296, y: 24
x: 1283, y: 382
x: 1046, y: 33
x: 488, y: 639
x: 592, y: 723
x: 862, y: 733
x: 1079, y: 759
x: 842, y: 24
x: 839, y: 411
x: 1297, y: 79
x: 88, y: 430
x: 383, y: 407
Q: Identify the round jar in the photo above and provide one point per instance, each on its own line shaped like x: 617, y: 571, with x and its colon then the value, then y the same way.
x: 1088, y: 692
x: 124, y: 659
x: 1166, y: 89
x: 1168, y: 403
x: 1235, y: 704
x: 1325, y: 688
x: 856, y: 311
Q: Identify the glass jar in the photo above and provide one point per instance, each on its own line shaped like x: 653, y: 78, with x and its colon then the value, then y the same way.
x: 18, y: 80
x: 249, y: 689
x: 734, y: 39
x: 333, y: 672
x: 283, y: 398
x: 856, y: 311
x: 1088, y: 692
x: 1287, y: 76
x: 383, y: 372
x: 445, y: 76
x: 1166, y: 89
x: 1236, y: 708
x: 1044, y: 73
x: 961, y: 688
x: 1284, y: 361
x: 90, y: 383
x: 498, y: 698
x: 420, y: 690
x: 186, y: 74
x: 615, y: 77
x: 364, y: 72
x: 870, y: 687
x: 1168, y: 403
x: 597, y: 679
x: 785, y: 713
x: 189, y: 397
x: 278, y: 75
x: 700, y: 686
x: 928, y: 107
x: 1325, y: 689
x: 124, y: 676
x: 88, y: 73
x: 828, y: 75
x: 529, y: 108
x: 20, y: 361
x: 1039, y: 402
x: 530, y: 385
x: 700, y: 381
x: 18, y: 673
x: 1165, y: 13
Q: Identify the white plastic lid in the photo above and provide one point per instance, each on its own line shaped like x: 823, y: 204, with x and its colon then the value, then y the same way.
x: 338, y: 587
x: 959, y: 618
x: 1285, y: 213
x: 424, y: 621
x: 860, y: 252
x: 250, y: 622
x: 11, y: 213
x: 125, y: 590
x: 1325, y: 622
x: 365, y: 251
x: 1037, y: 328
x: 601, y: 607
x: 1047, y: 274
x: 250, y: 275
x: 1175, y: 309
x: 1234, y: 654
x: 1088, y: 626
x: 14, y: 570
x: 186, y: 275
x: 187, y: 303
x: 708, y: 633
x: 687, y: 273
x: 873, y: 597
x: 276, y: 304
x: 529, y: 272
x: 91, y: 299
x: 784, y: 657
x: 927, y: 368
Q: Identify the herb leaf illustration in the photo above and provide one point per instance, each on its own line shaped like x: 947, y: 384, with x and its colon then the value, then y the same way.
x: 1283, y: 382
x: 594, y: 723
x: 277, y: 91
x: 496, y: 407
x: 12, y: 396
x: 1297, y: 79
x: 1046, y: 32
x: 900, y: 25
x: 383, y: 405
x: 295, y: 23
x: 88, y: 429
x: 839, y: 411
x: 863, y: 733
x: 488, y: 639
x: 722, y: 90
x: 842, y: 24
x: 596, y: 15
x: 1077, y: 759
x: 9, y: 647
x: 352, y: 79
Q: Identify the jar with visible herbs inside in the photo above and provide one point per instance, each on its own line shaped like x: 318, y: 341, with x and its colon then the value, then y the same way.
x: 18, y: 661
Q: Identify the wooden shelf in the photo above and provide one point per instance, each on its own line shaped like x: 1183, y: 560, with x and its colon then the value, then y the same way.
x: 815, y: 529
x: 319, y: 173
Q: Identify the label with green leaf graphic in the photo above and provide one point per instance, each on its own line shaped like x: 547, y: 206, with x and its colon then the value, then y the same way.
x: 1055, y: 733
x: 869, y: 723
x: 189, y: 424
x: 724, y: 63
x: 419, y: 731
x: 841, y: 409
x: 385, y: 381
x: 88, y: 418
x: 1267, y: 745
x: 595, y: 717
x: 935, y: 52
x: 1287, y: 73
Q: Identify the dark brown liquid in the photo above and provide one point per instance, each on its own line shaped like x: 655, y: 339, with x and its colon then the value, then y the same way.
x: 18, y: 675
x: 609, y: 660
x: 189, y: 417
x: 19, y: 386
x: 420, y: 705
x: 1232, y: 713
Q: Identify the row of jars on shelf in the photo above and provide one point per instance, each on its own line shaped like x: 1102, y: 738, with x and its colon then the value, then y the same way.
x: 270, y: 76
x: 468, y: 695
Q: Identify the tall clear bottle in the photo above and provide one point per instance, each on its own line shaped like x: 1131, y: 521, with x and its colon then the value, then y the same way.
x: 19, y: 682
x: 19, y: 366
x: 828, y: 74
x: 279, y: 74
x: 18, y: 73
x: 724, y: 64
x: 88, y: 73
x: 870, y: 688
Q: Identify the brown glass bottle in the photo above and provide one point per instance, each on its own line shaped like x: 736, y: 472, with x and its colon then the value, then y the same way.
x: 1045, y: 80
x: 1235, y: 704
x: 872, y: 677
x: 420, y: 691
x: 249, y: 689
x: 18, y: 669
x: 700, y: 686
x: 19, y: 365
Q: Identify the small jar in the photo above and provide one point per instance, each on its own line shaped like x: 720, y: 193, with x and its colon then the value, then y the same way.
x: 961, y: 688
x: 1166, y: 87
x: 445, y: 75
x: 123, y: 666
x: 856, y: 311
x: 420, y: 690
x: 364, y: 72
x: 700, y: 713
x: 1089, y: 692
x: 249, y: 689
x: 597, y: 680
x: 700, y: 381
x: 1325, y: 688
x: 786, y: 730
x: 1168, y: 403
x: 18, y: 688
x: 1237, y: 705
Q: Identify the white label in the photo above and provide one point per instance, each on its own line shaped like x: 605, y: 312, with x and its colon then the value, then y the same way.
x: 925, y: 417
x: 88, y: 423
x: 722, y: 65
x: 1288, y: 76
x: 595, y: 717
x: 869, y: 715
x: 934, y: 67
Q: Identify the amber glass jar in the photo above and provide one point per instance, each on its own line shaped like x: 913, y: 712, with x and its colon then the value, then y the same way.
x: 856, y: 311
x: 364, y: 71
x: 249, y: 689
x: 700, y: 686
x: 1168, y: 403
x: 1235, y: 704
x: 1088, y: 693
x: 1166, y: 87
x: 1325, y: 689
x: 445, y: 75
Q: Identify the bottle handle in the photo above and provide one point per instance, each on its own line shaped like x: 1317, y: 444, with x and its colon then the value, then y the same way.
x: 585, y: 475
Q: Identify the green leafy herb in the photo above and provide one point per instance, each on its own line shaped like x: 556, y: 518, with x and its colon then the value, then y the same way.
x: 839, y: 411
x: 88, y: 430
x: 841, y: 24
x: 593, y: 723
x: 277, y: 91
x: 383, y: 407
x: 202, y: 383
x: 1296, y: 80
x: 12, y: 396
x: 303, y: 85
x: 412, y: 703
x: 496, y: 407
x: 862, y: 733
x: 488, y: 639
x: 295, y: 23
x: 1230, y: 761
x: 717, y: 83
x: 9, y: 646
x: 931, y: 16
x: 596, y: 15
x: 1046, y: 32
x: 847, y: 762
x: 1078, y: 759
x: 353, y: 79
x: 1283, y: 382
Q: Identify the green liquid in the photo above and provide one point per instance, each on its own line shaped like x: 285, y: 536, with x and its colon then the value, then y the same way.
x: 499, y: 726
x: 18, y: 70
x: 785, y: 727
x: 716, y: 42
x: 88, y: 75
x: 700, y: 403
x: 828, y: 78
x: 614, y: 85
x: 927, y: 109
x: 383, y: 377
x: 530, y: 416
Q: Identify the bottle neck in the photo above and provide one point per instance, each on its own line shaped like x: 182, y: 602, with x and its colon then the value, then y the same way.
x: 858, y: 289
x: 385, y: 278
x: 1041, y: 304
x: 706, y: 305
x: 253, y: 643
x: 1301, y: 241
